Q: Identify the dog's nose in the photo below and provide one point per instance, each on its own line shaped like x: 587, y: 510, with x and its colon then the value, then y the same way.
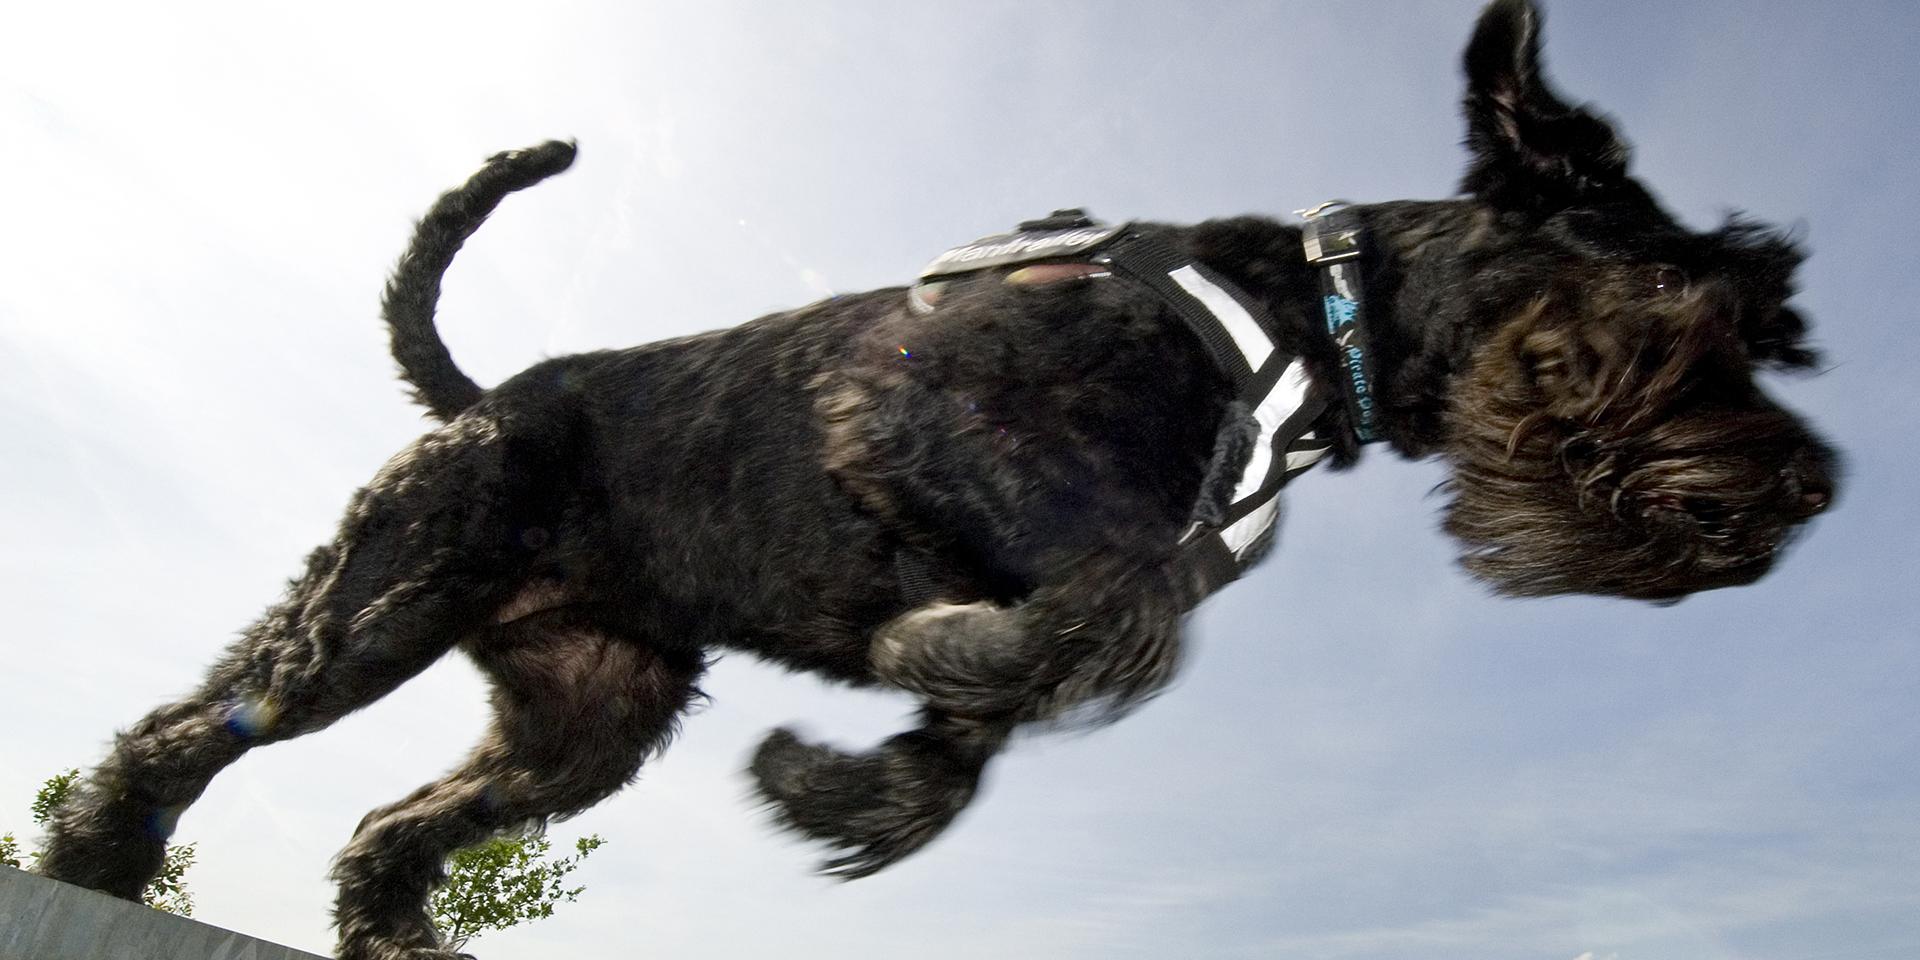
x: 1813, y: 482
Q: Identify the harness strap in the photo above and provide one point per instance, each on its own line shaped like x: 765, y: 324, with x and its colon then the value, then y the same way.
x: 1271, y: 388
x: 1219, y: 313
x: 1267, y: 437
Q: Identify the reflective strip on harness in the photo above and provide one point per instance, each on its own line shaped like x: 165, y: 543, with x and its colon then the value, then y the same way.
x: 1246, y: 334
x: 1286, y: 397
x: 1239, y: 536
x: 1282, y: 453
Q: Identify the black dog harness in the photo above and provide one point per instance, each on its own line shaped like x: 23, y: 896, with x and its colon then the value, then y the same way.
x: 1267, y: 436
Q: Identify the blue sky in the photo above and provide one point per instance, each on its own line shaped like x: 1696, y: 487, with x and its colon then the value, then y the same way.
x: 1368, y: 757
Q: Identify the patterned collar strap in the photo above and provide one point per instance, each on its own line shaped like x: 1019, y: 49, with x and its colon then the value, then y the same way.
x: 1332, y: 236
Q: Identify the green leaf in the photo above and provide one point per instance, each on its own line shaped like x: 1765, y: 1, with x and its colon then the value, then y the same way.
x: 52, y: 794
x: 168, y: 891
x: 502, y: 883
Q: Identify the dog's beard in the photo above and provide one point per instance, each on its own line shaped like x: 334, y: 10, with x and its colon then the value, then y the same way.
x: 1557, y: 519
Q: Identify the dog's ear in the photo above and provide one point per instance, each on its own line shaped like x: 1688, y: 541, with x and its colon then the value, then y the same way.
x: 1568, y: 365
x: 1531, y: 150
x: 1585, y: 364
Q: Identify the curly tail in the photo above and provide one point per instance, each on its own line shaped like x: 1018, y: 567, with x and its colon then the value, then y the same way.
x: 414, y: 288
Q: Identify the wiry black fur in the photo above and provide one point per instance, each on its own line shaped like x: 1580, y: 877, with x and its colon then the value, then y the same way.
x: 414, y: 290
x: 589, y: 529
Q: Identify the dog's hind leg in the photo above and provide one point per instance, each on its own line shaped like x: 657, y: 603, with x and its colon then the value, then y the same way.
x: 578, y: 707
x: 421, y: 558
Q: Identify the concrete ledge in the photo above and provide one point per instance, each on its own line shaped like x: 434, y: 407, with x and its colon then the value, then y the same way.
x: 43, y: 919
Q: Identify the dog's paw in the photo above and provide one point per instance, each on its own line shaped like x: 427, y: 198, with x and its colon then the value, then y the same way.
x: 873, y: 808
x: 784, y: 764
x: 974, y: 659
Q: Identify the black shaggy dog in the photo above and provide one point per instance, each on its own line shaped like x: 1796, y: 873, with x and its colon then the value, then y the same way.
x: 1033, y: 450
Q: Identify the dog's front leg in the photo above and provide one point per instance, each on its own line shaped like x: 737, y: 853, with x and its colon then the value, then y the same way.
x: 876, y: 807
x: 1088, y: 647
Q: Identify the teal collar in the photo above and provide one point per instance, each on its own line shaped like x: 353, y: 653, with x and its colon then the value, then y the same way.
x: 1333, y: 236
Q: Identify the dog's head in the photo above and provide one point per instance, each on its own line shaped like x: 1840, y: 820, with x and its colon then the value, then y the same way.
x: 1607, y: 432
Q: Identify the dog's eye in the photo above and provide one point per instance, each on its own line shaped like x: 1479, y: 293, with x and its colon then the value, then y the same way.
x: 1670, y: 280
